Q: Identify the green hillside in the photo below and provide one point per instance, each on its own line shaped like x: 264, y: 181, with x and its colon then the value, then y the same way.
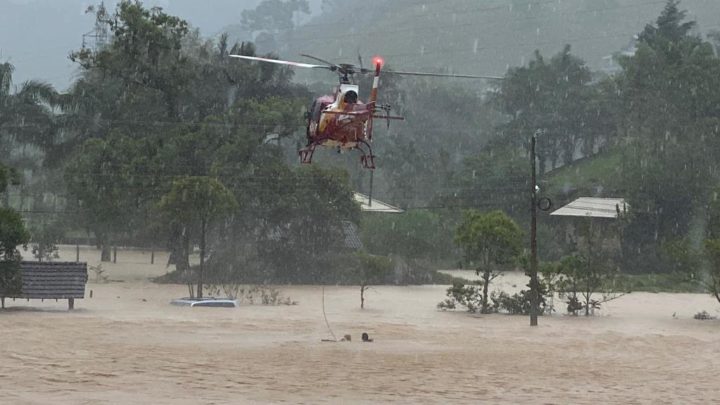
x: 485, y: 37
x: 594, y: 176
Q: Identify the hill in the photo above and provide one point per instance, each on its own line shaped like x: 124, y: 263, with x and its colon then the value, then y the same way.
x: 597, y: 175
x: 481, y: 37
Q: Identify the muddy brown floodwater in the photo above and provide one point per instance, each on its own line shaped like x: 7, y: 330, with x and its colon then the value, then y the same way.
x: 126, y: 345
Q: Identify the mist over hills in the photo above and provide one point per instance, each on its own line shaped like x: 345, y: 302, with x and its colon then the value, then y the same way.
x: 467, y: 36
x: 463, y: 36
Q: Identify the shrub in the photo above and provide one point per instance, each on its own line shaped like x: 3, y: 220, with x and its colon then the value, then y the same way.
x: 469, y: 297
x: 703, y: 316
x: 518, y: 303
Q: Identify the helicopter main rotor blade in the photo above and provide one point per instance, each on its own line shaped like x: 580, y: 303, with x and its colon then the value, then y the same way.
x: 318, y: 59
x: 395, y: 72
x: 282, y: 62
x: 342, y: 67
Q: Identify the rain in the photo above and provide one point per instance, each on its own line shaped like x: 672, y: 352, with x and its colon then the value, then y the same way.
x: 331, y: 201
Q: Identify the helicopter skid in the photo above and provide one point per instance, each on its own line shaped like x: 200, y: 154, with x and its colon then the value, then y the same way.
x: 306, y: 153
x: 367, y: 159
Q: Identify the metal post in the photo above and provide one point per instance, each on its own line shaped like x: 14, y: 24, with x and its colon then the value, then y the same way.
x: 371, y: 185
x: 533, y: 238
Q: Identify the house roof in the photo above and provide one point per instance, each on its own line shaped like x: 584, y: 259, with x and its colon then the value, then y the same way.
x: 375, y: 205
x: 593, y: 207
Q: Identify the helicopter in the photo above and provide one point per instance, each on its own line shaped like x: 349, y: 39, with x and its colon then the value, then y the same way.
x: 341, y: 120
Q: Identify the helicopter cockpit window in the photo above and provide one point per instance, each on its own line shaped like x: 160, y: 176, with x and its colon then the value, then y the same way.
x: 351, y: 97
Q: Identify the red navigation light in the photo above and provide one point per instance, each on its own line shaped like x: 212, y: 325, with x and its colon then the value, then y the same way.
x: 378, y: 60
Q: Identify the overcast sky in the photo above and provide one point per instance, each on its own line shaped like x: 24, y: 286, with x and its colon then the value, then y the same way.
x: 37, y: 35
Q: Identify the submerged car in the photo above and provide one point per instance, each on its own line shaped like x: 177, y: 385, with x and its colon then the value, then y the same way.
x: 205, y: 302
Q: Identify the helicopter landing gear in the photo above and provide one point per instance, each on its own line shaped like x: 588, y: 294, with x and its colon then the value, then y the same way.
x: 367, y: 159
x: 306, y: 153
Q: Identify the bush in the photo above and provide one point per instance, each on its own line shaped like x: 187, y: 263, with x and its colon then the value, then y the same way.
x: 45, y: 237
x: 518, y: 303
x: 343, y: 268
x: 469, y: 297
x: 703, y: 316
x: 256, y: 294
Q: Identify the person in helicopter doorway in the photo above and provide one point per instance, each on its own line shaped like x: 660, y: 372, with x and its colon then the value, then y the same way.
x: 350, y: 97
x: 349, y: 101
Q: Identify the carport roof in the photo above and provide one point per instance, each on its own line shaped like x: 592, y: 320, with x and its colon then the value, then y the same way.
x: 376, y: 205
x: 593, y: 207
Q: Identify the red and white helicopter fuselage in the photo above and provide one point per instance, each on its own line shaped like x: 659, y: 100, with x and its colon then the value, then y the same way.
x: 341, y: 120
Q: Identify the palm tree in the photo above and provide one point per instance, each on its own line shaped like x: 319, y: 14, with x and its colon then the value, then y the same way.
x: 26, y: 119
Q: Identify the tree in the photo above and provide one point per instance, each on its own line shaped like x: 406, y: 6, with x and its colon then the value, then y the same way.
x: 412, y: 235
x: 670, y: 102
x: 145, y: 52
x: 373, y: 270
x: 12, y: 235
x: 25, y: 113
x: 295, y: 216
x: 46, y: 235
x: 495, y: 179
x: 27, y: 127
x: 15, y: 108
x: 558, y: 97
x: 492, y: 241
x: 590, y: 269
x: 98, y: 176
x: 272, y: 18
x: 197, y: 204
x: 712, y: 252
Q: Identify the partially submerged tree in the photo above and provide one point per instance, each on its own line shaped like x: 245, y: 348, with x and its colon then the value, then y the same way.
x: 711, y: 281
x: 412, y: 235
x: 197, y: 205
x: 492, y: 241
x: 45, y: 237
x: 99, y: 177
x: 373, y: 270
x: 590, y: 270
x: 712, y: 251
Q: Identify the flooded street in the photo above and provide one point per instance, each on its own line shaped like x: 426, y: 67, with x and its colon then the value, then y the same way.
x: 128, y: 345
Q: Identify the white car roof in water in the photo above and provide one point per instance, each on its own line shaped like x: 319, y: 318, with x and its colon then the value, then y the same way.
x: 205, y: 302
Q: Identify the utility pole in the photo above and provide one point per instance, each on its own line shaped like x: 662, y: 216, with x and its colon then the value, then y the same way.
x: 533, y: 236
